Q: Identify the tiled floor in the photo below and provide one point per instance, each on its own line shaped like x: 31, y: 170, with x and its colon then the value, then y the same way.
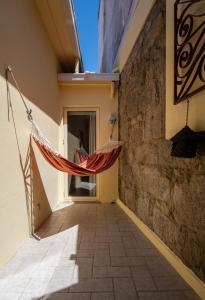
x: 91, y: 252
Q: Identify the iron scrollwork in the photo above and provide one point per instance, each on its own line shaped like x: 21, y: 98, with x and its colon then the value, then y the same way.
x: 189, y: 48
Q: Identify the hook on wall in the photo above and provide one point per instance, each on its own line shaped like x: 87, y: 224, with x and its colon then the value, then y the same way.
x: 8, y: 71
x: 112, y: 120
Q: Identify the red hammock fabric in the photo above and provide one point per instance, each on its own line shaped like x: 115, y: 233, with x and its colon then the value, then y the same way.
x: 80, y: 157
x: 94, y: 164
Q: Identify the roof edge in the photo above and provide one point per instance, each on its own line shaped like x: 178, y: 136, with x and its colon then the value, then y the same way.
x: 77, y: 78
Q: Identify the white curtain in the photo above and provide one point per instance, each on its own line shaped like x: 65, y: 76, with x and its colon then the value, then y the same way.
x: 92, y: 146
x: 73, y: 144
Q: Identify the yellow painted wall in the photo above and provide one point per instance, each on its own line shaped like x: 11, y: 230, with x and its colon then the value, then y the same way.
x: 25, y: 47
x: 176, y: 114
x: 94, y: 96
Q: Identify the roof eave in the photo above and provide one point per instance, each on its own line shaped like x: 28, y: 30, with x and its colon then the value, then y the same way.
x: 87, y: 78
x: 59, y: 20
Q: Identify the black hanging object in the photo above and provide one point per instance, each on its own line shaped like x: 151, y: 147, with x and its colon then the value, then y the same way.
x: 185, y: 143
x: 201, y: 135
x: 201, y: 145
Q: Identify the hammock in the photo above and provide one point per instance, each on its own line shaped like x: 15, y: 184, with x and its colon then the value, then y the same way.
x: 96, y: 163
x: 80, y: 156
x: 89, y: 165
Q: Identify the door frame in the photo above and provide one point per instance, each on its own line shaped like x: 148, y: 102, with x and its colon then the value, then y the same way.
x: 65, y: 125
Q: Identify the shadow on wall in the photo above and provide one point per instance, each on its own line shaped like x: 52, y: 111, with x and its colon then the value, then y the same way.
x: 38, y: 207
x: 43, y: 101
x: 25, y: 46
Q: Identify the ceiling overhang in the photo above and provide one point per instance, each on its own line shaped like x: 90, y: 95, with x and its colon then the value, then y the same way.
x: 99, y: 79
x: 59, y: 20
x: 87, y: 78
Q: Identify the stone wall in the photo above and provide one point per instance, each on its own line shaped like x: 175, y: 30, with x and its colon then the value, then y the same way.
x: 166, y: 193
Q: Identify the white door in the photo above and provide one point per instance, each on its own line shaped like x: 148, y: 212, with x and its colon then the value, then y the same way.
x: 80, y: 136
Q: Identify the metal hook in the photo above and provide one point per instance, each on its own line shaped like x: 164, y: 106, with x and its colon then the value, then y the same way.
x: 29, y: 113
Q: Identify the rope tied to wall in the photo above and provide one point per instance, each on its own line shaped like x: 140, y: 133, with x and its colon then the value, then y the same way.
x: 28, y: 111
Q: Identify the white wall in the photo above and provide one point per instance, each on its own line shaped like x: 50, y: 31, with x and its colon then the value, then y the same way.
x: 114, y: 19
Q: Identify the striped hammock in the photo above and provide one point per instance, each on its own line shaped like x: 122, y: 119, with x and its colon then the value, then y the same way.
x: 96, y: 163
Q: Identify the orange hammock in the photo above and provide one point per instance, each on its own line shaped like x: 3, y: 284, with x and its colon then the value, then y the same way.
x: 89, y: 165
x: 94, y: 164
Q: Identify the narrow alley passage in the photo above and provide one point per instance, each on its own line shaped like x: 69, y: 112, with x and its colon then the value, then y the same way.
x: 91, y: 251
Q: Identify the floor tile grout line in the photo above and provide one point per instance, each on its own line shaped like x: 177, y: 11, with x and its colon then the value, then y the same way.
x: 137, y: 292
x: 151, y: 275
x: 106, y: 220
x: 113, y: 287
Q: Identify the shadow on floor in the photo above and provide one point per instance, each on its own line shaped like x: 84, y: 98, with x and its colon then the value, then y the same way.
x: 92, y: 252
x: 109, y: 258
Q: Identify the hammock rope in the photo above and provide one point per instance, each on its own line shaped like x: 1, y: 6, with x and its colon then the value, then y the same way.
x: 98, y: 162
x: 28, y: 111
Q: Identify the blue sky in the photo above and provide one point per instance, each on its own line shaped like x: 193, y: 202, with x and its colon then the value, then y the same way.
x: 86, y: 12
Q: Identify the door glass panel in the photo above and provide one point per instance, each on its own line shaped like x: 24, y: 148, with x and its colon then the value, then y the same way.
x: 81, y: 135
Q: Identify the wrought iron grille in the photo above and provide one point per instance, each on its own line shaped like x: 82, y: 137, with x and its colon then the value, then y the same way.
x: 189, y: 48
